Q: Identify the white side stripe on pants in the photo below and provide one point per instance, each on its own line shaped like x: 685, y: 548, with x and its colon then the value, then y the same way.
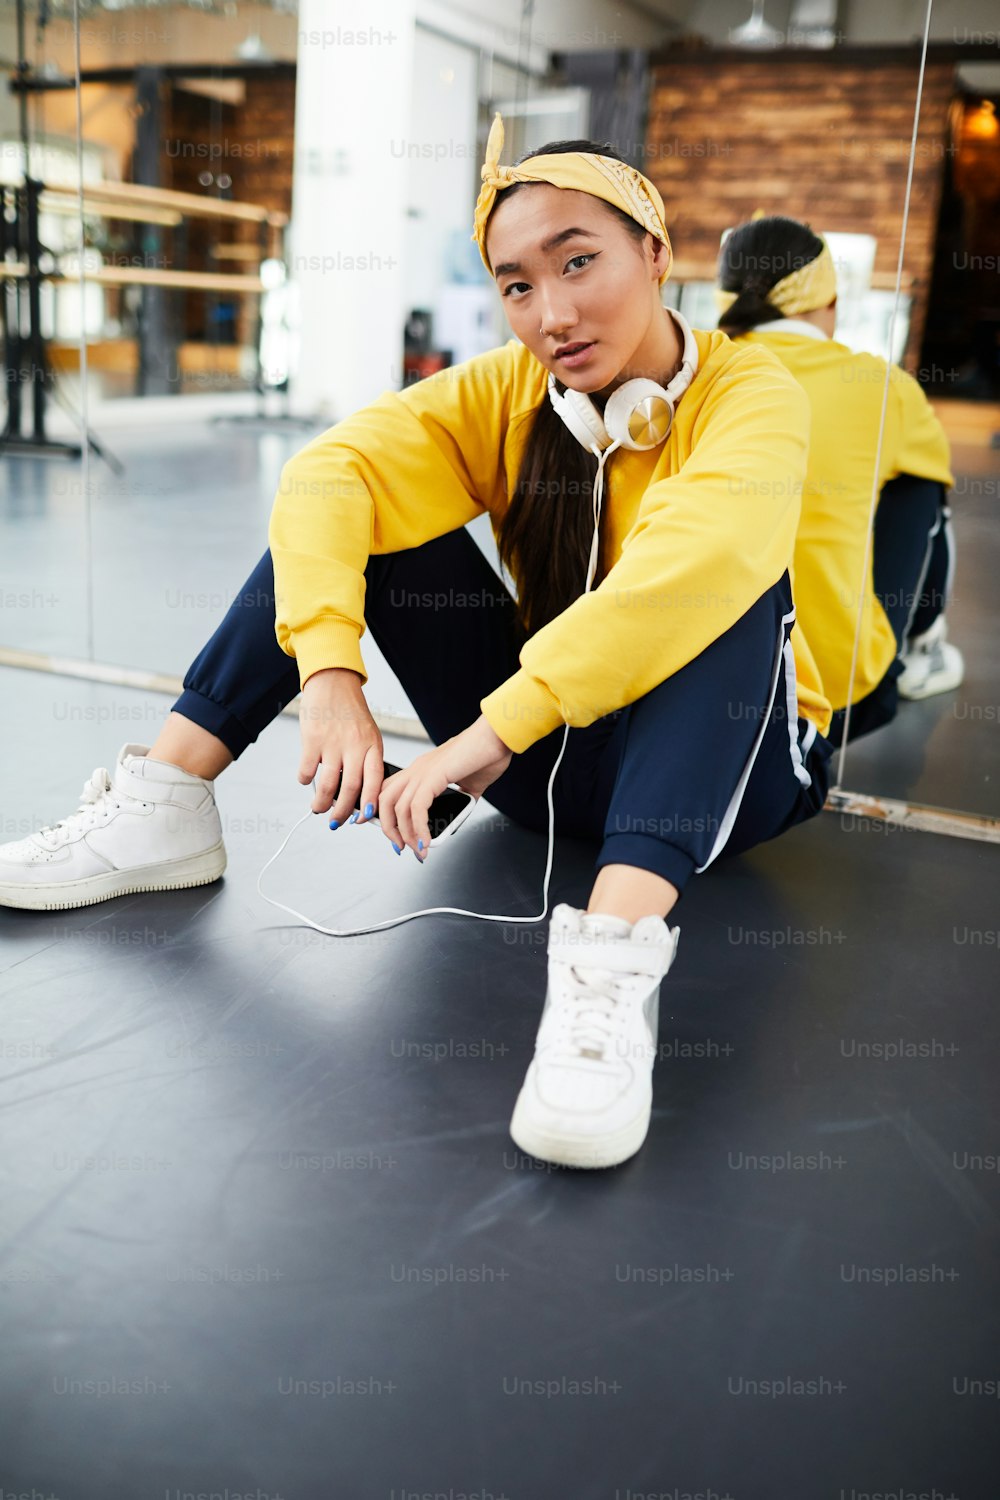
x: 783, y: 653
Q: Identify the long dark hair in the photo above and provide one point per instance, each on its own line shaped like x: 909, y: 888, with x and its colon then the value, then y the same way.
x: 546, y: 534
x: 755, y: 257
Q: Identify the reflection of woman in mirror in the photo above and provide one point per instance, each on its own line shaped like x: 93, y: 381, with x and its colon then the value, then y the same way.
x: 697, y: 715
x: 778, y: 289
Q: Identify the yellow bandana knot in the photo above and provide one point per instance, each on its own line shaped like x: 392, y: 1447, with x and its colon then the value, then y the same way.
x: 604, y: 177
x: 811, y: 286
x: 491, y: 166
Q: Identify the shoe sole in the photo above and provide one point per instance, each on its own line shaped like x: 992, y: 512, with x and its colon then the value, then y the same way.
x: 570, y: 1151
x: 941, y: 682
x: 169, y: 875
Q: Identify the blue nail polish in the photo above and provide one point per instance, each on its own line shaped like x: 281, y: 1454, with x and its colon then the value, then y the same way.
x: 353, y: 818
x: 420, y: 843
x: 397, y: 848
x: 335, y: 824
x: 369, y: 809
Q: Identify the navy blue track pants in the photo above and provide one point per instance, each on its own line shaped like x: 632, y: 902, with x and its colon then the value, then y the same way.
x: 913, y: 556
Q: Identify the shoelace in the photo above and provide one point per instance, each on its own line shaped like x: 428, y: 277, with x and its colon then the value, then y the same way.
x: 93, y: 800
x: 588, y: 1022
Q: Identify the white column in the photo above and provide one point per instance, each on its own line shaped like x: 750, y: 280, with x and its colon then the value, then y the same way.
x: 346, y: 241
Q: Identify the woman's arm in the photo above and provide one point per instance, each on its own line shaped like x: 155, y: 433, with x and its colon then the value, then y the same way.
x: 918, y: 445
x: 409, y: 467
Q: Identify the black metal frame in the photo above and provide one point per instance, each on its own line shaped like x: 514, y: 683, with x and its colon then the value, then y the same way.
x: 21, y: 234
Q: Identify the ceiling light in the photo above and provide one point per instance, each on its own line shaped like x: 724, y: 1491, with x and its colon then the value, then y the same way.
x: 756, y: 32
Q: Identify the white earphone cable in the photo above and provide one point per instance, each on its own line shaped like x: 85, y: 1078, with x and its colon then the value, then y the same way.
x: 459, y: 911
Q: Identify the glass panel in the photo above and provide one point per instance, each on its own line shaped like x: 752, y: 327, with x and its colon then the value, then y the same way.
x: 941, y: 747
x: 45, y: 579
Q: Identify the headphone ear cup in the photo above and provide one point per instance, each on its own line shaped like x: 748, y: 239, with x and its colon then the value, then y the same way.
x: 581, y: 416
x: 639, y: 414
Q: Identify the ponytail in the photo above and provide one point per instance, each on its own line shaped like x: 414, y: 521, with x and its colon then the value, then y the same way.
x: 750, y: 308
x: 754, y: 258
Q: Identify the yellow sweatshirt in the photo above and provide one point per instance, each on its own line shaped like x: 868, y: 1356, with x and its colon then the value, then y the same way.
x: 692, y: 532
x: 845, y: 396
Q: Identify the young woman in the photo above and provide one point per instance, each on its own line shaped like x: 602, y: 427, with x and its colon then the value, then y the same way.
x: 697, y: 716
x: 778, y: 290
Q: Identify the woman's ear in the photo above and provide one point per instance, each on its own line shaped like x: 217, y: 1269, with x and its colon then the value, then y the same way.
x: 661, y: 256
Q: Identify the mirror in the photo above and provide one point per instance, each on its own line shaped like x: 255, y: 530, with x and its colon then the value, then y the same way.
x: 197, y: 135
x: 940, y: 750
x: 937, y: 753
x: 161, y: 139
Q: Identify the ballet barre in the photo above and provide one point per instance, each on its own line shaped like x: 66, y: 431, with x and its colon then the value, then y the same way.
x: 57, y: 203
x: 22, y: 276
x: 194, y: 281
x: 190, y: 205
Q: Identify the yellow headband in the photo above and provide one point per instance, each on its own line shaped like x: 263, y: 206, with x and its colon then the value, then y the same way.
x: 811, y: 286
x: 601, y: 176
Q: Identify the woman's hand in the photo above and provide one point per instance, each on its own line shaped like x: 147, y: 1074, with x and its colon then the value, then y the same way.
x: 339, y: 735
x: 471, y: 760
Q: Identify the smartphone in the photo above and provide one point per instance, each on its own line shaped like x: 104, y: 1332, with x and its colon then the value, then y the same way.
x: 447, y: 812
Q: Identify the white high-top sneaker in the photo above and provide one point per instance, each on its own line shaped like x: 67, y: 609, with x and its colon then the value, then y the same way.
x: 149, y: 827
x: 588, y: 1094
x: 931, y: 664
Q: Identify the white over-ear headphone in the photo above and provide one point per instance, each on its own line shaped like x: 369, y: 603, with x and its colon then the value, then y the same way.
x: 639, y: 414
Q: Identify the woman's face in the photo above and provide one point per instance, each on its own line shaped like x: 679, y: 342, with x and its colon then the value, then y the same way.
x: 578, y: 289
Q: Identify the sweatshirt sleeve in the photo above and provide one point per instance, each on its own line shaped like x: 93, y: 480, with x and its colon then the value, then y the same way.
x: 707, y: 542
x: 409, y: 467
x: 920, y: 446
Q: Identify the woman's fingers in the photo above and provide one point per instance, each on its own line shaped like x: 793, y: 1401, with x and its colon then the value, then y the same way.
x: 372, y: 779
x: 327, y: 780
x: 403, y: 816
x: 387, y: 812
x: 308, y: 764
x: 347, y: 797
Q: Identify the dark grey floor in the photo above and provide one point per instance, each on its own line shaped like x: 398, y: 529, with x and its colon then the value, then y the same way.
x: 264, y: 1230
